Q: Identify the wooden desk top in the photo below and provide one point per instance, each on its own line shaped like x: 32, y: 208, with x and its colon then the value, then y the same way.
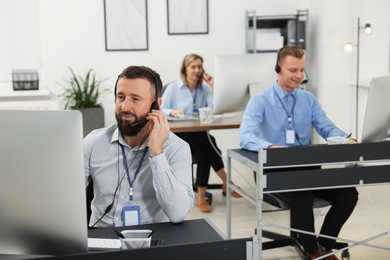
x: 229, y: 121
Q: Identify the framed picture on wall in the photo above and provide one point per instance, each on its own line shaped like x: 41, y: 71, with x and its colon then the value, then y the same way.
x: 126, y: 25
x: 188, y: 16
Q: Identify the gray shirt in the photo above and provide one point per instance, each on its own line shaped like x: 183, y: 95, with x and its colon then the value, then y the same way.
x: 162, y: 188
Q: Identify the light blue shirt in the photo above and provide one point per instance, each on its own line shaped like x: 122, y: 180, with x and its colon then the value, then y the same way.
x: 265, y: 119
x: 178, y: 96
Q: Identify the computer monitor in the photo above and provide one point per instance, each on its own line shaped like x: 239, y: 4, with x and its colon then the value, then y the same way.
x: 376, y: 126
x: 235, y: 76
x: 42, y: 186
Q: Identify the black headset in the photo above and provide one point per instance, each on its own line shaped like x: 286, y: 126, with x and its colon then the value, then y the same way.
x: 184, y: 70
x: 154, y: 105
x: 278, y: 69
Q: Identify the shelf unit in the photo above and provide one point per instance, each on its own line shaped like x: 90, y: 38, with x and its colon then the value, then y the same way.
x: 268, y: 33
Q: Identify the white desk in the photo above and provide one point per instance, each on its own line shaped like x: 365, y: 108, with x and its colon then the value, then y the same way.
x: 222, y: 122
x: 340, y: 166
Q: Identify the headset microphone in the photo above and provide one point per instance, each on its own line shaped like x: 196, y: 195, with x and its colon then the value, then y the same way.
x: 306, y: 80
x: 142, y: 121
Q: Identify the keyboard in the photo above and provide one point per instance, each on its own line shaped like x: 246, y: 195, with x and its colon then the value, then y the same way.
x: 104, y: 244
x: 184, y: 118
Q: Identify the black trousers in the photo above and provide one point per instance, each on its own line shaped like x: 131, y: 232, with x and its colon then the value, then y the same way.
x: 343, y: 202
x: 205, y: 154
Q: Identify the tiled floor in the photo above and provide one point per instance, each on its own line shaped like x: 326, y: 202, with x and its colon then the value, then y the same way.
x: 363, y: 223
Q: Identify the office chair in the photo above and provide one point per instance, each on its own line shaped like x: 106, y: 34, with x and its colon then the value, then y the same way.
x: 89, y: 197
x: 165, y: 87
x: 280, y: 240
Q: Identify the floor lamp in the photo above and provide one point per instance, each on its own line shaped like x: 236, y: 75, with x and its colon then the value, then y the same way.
x: 348, y: 47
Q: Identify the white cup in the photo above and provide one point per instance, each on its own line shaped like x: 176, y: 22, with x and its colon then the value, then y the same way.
x: 205, y: 115
x: 136, y: 238
x: 336, y: 140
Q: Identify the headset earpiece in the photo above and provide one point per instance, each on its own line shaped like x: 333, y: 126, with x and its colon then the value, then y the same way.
x: 183, y: 71
x: 116, y: 83
x: 154, y: 106
x: 306, y: 80
x: 277, y: 68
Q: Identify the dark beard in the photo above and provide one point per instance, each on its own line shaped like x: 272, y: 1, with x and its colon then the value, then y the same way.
x: 132, y: 129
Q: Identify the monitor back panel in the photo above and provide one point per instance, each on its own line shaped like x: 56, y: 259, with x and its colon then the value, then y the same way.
x: 376, y: 126
x: 237, y: 77
x: 42, y: 186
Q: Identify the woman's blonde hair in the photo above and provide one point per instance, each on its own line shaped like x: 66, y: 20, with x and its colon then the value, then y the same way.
x: 188, y: 59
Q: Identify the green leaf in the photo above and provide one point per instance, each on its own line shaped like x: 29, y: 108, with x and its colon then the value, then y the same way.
x: 82, y: 92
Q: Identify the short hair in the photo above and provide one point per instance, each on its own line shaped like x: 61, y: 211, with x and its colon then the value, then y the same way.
x: 188, y: 59
x: 142, y: 72
x: 290, y: 50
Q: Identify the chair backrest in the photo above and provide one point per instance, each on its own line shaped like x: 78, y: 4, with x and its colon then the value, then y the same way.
x: 165, y: 87
x: 89, y: 191
x: 281, y: 203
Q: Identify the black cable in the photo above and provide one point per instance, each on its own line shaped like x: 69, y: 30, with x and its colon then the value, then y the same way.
x: 109, y: 207
x: 297, y: 137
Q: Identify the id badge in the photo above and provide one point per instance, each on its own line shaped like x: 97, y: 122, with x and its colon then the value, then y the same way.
x: 290, y: 136
x: 131, y: 215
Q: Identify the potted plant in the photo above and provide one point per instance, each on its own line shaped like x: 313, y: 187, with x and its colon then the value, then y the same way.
x: 83, y: 94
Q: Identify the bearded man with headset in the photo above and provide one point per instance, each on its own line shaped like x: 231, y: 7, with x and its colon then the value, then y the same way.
x: 141, y: 171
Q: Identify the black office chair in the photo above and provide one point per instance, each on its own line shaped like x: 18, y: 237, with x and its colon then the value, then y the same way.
x: 280, y: 240
x: 89, y: 194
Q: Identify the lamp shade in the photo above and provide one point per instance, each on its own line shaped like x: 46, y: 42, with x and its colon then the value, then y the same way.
x: 348, y: 46
x: 368, y: 28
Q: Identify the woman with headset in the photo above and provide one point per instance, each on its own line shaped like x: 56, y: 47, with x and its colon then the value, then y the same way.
x: 184, y: 97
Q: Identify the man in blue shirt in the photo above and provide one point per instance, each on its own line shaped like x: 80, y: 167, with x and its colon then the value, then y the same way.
x: 283, y: 115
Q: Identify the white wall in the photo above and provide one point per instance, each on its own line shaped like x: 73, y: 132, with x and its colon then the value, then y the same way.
x: 332, y: 24
x: 62, y: 33
x: 19, y: 46
x: 71, y: 33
